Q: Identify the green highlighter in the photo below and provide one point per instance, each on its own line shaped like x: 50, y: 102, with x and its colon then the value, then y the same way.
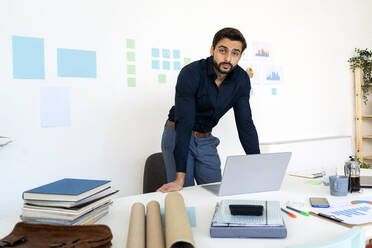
x: 298, y: 211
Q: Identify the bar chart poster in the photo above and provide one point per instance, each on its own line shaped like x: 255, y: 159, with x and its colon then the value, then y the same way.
x: 272, y: 74
x: 261, y: 50
x: 253, y: 70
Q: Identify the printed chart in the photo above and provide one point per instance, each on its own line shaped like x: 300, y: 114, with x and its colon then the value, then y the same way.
x: 261, y: 50
x: 350, y: 214
x: 272, y: 74
x: 254, y: 71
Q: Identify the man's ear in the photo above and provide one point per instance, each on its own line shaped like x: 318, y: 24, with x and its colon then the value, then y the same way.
x: 212, y: 49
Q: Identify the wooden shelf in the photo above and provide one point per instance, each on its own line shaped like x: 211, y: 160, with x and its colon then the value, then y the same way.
x: 359, y: 117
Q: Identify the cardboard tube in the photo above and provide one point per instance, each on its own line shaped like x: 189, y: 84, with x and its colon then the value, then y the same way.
x: 154, y: 227
x: 177, y: 225
x: 136, y: 232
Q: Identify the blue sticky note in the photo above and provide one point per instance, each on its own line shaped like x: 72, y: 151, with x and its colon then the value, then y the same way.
x: 155, y: 52
x: 54, y: 106
x: 176, y: 54
x: 274, y: 91
x: 156, y: 64
x: 165, y: 53
x: 166, y: 65
x: 191, y: 214
x: 76, y: 63
x: 28, y: 57
x: 176, y: 65
x: 251, y: 92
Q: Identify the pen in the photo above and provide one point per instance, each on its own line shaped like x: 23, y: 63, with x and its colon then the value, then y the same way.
x: 331, y: 217
x: 290, y: 214
x: 298, y: 211
x: 317, y: 175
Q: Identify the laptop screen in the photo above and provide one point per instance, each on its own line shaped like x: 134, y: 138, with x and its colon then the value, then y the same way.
x: 254, y: 173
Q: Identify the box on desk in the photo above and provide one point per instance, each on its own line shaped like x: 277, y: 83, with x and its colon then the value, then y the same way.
x: 269, y: 225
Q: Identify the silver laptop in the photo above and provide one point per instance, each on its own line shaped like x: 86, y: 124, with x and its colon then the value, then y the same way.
x: 252, y: 173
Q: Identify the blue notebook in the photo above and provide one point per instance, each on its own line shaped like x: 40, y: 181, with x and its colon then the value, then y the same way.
x: 67, y: 189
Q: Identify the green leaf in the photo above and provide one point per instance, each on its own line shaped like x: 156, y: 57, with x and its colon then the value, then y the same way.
x: 364, y: 61
x: 2, y: 145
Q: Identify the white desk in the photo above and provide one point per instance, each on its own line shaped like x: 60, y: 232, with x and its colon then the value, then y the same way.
x: 303, y: 229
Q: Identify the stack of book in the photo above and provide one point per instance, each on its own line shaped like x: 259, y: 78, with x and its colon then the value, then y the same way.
x: 68, y: 201
x: 269, y: 224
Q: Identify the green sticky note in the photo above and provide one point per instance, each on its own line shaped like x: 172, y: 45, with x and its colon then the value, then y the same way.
x: 131, y: 43
x: 162, y: 78
x: 186, y: 61
x: 131, y: 56
x: 131, y: 82
x: 131, y: 69
x: 313, y: 182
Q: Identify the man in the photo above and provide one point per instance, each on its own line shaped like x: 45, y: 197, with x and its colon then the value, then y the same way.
x: 205, y: 91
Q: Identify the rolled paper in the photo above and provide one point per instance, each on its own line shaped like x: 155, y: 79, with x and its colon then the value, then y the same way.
x: 136, y: 232
x: 177, y: 225
x: 154, y: 227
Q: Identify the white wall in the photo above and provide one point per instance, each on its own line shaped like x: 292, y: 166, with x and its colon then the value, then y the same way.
x: 114, y: 128
x: 326, y: 153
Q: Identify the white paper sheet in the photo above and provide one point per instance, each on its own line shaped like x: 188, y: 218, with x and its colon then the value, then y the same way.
x: 354, y: 214
x: 55, y: 106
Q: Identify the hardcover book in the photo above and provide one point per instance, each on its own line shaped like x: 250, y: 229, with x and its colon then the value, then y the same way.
x: 67, y: 189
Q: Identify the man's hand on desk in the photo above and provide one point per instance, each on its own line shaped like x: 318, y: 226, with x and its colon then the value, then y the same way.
x: 175, y: 185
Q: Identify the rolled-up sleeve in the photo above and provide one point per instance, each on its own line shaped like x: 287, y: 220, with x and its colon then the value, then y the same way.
x: 244, y: 123
x: 184, y: 115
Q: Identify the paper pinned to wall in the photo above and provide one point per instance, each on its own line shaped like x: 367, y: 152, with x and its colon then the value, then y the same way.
x: 28, y: 57
x: 55, y: 107
x: 254, y: 71
x: 76, y: 63
x: 273, y: 74
x: 261, y: 50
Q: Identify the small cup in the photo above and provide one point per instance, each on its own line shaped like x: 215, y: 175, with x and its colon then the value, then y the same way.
x: 338, y: 185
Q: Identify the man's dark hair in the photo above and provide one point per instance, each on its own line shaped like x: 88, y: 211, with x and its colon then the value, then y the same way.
x: 231, y: 34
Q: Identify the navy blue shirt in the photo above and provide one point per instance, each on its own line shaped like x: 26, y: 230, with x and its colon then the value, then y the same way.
x: 199, y: 105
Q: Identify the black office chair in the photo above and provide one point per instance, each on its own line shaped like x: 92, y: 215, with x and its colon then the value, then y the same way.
x: 154, y: 174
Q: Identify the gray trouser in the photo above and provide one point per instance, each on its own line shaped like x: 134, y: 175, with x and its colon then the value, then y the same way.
x: 203, y: 162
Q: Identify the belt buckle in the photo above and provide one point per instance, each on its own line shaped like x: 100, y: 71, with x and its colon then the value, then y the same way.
x: 200, y: 135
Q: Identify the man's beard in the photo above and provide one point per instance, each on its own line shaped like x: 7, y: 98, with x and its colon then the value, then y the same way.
x: 217, y: 67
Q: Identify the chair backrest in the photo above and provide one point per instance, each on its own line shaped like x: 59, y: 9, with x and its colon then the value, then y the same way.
x: 353, y: 238
x: 369, y: 245
x: 154, y: 174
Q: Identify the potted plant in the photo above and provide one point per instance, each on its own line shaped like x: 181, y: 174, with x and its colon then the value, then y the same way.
x: 4, y: 144
x: 363, y: 165
x: 364, y: 62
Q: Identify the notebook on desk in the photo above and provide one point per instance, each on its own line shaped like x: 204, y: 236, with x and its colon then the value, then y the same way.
x: 251, y: 173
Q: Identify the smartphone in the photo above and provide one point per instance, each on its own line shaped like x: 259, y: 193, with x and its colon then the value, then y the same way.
x: 319, y: 202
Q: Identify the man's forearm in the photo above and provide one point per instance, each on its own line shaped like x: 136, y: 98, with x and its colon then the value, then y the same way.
x: 180, y: 178
x: 174, y: 185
